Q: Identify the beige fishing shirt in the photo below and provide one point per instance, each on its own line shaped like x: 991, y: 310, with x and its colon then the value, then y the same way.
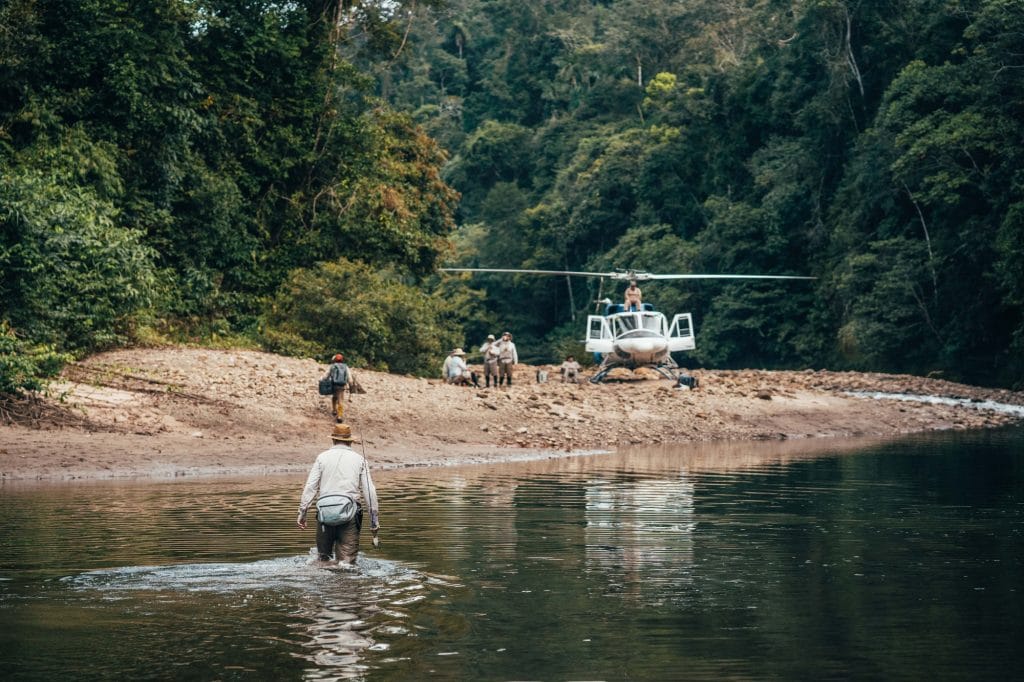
x: 341, y: 470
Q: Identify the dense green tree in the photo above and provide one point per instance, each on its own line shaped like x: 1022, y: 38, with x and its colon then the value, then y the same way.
x: 943, y: 178
x: 200, y: 152
x: 495, y: 153
x: 70, y: 275
x: 875, y: 145
x: 375, y: 318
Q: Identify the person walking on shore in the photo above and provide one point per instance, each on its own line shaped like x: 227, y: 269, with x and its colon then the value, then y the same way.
x: 508, y: 358
x: 337, y: 478
x: 339, y: 375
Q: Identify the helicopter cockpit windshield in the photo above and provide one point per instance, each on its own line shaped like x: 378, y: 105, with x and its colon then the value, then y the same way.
x: 625, y: 323
x: 648, y: 322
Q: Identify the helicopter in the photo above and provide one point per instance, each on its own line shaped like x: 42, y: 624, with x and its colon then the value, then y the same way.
x: 640, y: 336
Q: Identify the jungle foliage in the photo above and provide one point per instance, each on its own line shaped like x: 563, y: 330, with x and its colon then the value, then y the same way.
x: 168, y: 164
x: 294, y: 172
x: 874, y: 145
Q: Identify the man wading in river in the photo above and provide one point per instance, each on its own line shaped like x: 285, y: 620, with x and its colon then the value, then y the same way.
x: 335, y: 481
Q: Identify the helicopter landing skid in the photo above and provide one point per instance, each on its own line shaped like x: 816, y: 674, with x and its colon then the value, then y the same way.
x: 667, y: 373
x: 666, y: 370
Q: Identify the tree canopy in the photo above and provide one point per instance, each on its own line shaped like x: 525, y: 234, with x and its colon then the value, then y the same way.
x: 208, y: 167
x: 873, y: 145
x: 170, y: 162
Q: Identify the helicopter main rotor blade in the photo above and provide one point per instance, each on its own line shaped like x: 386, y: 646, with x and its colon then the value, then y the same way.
x: 649, y: 276
x: 624, y: 275
x: 516, y: 271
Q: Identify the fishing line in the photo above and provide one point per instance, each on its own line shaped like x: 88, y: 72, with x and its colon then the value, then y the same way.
x: 362, y: 444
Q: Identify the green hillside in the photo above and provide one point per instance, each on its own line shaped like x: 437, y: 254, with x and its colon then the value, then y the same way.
x: 292, y: 174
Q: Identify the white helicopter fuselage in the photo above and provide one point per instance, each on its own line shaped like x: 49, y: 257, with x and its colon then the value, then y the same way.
x: 638, y: 339
x: 641, y: 347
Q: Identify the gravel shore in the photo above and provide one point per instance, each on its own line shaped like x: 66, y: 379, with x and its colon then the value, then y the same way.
x: 186, y: 411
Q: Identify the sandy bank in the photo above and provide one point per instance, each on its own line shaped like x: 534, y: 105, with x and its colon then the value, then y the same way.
x: 174, y: 412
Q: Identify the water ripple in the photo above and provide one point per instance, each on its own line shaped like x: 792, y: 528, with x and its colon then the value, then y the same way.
x: 745, y: 561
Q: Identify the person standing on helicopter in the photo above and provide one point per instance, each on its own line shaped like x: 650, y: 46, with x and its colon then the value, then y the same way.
x: 508, y: 358
x: 490, y: 352
x: 634, y: 299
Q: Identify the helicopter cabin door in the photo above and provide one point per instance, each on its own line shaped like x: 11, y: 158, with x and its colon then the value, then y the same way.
x: 599, y: 334
x: 680, y: 333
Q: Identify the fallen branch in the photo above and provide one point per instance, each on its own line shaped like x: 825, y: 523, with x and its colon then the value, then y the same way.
x: 33, y: 412
x: 172, y: 388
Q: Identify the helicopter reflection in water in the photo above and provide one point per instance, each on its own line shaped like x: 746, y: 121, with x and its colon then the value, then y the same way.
x: 643, y: 530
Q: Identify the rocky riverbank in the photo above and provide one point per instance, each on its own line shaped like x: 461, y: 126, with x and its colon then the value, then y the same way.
x: 185, y: 411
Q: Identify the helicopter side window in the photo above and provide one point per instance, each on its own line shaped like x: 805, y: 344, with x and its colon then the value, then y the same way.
x: 595, y: 328
x: 684, y: 327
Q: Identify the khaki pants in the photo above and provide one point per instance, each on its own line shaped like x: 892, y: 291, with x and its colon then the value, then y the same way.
x: 336, y: 403
x: 491, y: 371
x: 505, y: 372
x: 342, y: 541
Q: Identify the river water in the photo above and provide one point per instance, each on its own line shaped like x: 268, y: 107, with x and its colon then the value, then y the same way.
x: 809, y: 560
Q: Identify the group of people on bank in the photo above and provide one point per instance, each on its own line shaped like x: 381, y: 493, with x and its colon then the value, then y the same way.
x: 499, y: 358
x: 500, y: 355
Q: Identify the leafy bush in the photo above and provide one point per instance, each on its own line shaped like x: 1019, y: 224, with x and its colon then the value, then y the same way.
x: 375, y: 319
x: 70, y: 276
x: 24, y: 367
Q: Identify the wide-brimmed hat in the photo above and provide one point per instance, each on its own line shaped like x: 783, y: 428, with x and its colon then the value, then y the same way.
x: 490, y: 337
x: 458, y: 351
x: 342, y: 432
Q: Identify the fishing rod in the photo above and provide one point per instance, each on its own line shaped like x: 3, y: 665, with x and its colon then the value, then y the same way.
x: 375, y: 540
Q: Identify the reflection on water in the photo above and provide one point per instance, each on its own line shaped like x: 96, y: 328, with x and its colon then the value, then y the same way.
x: 643, y: 527
x: 817, y: 560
